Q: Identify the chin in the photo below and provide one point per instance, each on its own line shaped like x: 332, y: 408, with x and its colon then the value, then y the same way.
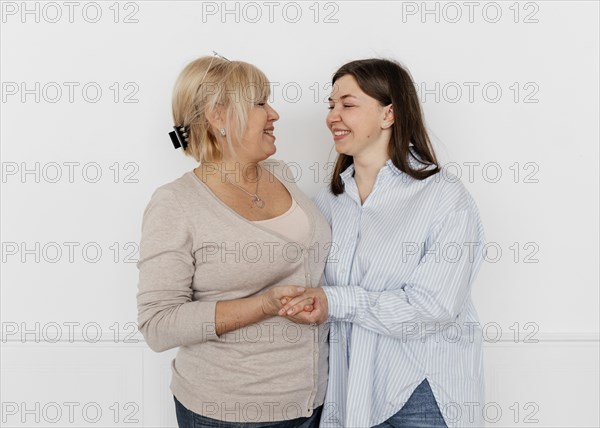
x: 269, y: 153
x: 341, y: 150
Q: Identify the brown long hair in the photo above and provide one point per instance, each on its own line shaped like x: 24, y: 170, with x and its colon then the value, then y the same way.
x: 390, y: 83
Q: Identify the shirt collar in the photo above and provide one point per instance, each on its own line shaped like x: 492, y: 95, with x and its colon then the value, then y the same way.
x: 388, y: 168
x: 393, y: 168
x: 348, y: 173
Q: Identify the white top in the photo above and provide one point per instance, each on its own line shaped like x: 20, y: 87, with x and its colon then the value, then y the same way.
x: 293, y: 224
x: 399, y: 294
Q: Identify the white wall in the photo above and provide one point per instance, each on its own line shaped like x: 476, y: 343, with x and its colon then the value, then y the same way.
x: 510, y: 94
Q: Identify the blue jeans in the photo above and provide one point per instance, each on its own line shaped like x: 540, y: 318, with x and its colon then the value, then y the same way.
x: 188, y: 419
x: 421, y: 410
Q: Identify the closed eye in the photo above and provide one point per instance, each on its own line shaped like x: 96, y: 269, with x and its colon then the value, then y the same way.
x: 344, y: 105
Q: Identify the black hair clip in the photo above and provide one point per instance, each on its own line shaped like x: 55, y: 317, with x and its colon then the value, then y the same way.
x: 179, y: 137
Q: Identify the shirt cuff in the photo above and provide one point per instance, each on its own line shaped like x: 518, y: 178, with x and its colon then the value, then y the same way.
x: 343, y: 302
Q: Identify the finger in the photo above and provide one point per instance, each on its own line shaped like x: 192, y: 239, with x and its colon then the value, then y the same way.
x: 320, y: 313
x: 293, y: 302
x: 313, y: 316
x: 289, y: 291
x: 301, y: 318
x: 307, y: 317
x: 285, y: 300
x: 308, y: 308
x: 296, y: 305
x: 299, y: 307
x: 319, y: 307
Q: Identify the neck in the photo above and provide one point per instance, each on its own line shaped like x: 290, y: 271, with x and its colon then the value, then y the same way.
x: 236, y: 171
x: 367, y: 167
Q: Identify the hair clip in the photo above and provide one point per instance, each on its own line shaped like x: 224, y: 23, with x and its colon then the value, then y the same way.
x: 220, y: 56
x: 210, y: 65
x: 179, y: 137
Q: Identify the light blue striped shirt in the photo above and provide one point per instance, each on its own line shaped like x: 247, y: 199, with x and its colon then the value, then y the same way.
x: 398, y: 283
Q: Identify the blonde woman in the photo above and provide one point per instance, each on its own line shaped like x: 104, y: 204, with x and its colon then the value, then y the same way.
x: 218, y: 253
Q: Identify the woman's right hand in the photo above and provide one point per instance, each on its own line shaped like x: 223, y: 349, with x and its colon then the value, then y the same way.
x: 271, y: 300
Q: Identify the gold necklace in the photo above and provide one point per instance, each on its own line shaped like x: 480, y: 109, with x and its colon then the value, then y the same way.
x: 256, y: 200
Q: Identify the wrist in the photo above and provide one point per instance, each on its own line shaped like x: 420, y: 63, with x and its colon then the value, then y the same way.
x: 263, y: 306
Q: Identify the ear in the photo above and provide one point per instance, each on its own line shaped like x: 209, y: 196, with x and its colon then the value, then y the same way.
x: 388, y: 118
x: 215, y: 116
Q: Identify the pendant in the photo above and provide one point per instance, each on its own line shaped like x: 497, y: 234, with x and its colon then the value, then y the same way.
x: 258, y: 202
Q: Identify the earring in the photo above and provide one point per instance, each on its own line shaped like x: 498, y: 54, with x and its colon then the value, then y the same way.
x: 222, y: 131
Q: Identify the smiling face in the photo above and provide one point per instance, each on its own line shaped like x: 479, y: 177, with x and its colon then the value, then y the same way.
x: 359, y: 124
x: 258, y: 141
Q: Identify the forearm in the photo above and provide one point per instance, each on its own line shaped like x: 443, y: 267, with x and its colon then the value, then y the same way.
x: 166, y: 323
x: 391, y: 313
x: 234, y: 314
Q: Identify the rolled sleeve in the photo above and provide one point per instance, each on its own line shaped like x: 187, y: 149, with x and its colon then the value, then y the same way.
x: 344, y: 302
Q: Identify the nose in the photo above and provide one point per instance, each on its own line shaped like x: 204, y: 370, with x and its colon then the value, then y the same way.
x: 272, y: 114
x: 332, y: 117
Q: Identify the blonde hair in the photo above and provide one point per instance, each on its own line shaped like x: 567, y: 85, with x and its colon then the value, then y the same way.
x: 210, y: 81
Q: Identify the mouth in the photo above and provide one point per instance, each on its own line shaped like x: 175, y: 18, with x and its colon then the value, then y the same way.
x: 269, y: 131
x: 338, y: 134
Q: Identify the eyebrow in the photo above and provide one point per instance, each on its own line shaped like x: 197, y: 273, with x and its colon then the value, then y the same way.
x: 342, y: 97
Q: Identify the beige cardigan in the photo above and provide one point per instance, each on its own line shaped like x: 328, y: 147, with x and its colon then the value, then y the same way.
x: 195, y: 251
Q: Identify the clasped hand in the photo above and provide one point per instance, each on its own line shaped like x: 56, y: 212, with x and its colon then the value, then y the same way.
x: 299, y: 304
